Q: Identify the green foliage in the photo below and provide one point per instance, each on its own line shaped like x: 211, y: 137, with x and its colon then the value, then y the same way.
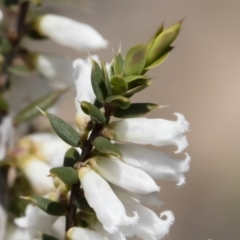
x: 82, y: 204
x: 134, y: 110
x: 3, y: 104
x: 67, y: 133
x: 106, y: 78
x: 44, y: 102
x: 67, y: 174
x: 137, y: 89
x: 103, y: 145
x: 118, y: 101
x: 118, y: 63
x: 95, y: 114
x: 119, y: 85
x: 71, y: 157
x: 48, y: 237
x: 50, y: 207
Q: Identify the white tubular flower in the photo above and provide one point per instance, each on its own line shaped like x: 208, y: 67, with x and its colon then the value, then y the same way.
x: 82, y: 79
x: 70, y: 33
x: 6, y: 135
x: 77, y: 233
x: 157, y: 132
x: 109, y: 210
x: 158, y: 165
x: 15, y: 233
x: 1, y: 15
x: 35, y: 220
x: 37, y: 171
x: 125, y: 176
x: 150, y: 226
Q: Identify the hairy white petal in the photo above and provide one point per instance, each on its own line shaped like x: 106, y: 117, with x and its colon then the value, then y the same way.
x: 70, y: 33
x: 109, y: 210
x: 150, y: 226
x: 37, y: 172
x: 77, y: 233
x: 16, y: 233
x: 157, y: 132
x: 125, y: 176
x: 158, y: 165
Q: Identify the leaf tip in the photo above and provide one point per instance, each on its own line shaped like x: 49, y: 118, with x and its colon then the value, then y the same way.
x: 41, y: 111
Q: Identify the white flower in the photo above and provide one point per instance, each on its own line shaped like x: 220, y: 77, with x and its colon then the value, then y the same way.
x: 158, y: 165
x: 3, y: 222
x: 150, y: 226
x: 77, y: 233
x: 1, y: 15
x: 70, y: 33
x: 82, y: 78
x: 109, y: 210
x: 124, y: 175
x: 157, y: 132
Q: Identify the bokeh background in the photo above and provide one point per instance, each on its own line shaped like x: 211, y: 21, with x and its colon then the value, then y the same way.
x: 200, y: 79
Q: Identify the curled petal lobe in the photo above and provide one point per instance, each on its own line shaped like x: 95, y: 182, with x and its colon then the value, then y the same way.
x: 157, y: 132
x: 109, y: 210
x: 125, y: 176
x: 158, y: 165
x: 70, y: 33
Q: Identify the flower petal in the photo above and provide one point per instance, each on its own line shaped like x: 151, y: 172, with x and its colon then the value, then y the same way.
x: 157, y: 132
x: 77, y: 233
x: 158, y: 165
x: 128, y: 177
x: 3, y: 222
x: 70, y: 33
x: 109, y: 210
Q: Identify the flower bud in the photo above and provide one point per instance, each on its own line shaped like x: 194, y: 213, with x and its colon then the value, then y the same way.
x: 76, y: 233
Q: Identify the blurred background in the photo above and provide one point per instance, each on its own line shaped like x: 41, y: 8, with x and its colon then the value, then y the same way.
x: 200, y: 79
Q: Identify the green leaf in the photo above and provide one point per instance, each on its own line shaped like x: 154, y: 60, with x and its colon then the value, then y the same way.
x: 48, y: 237
x: 136, y: 80
x: 119, y: 85
x: 3, y: 104
x: 67, y: 133
x: 106, y: 78
x: 95, y: 114
x: 71, y: 157
x: 30, y: 111
x: 118, y: 63
x: 135, y: 60
x: 160, y: 60
x: 51, y: 207
x: 134, y: 110
x: 105, y: 146
x: 162, y: 42
x: 132, y: 91
x: 118, y: 101
x: 21, y: 70
x: 83, y: 205
x: 98, y: 84
x: 67, y: 174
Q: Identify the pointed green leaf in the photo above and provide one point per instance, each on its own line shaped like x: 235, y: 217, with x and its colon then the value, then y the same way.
x: 71, y: 157
x: 132, y: 91
x: 105, y: 146
x: 51, y: 207
x: 136, y: 80
x: 67, y: 133
x: 98, y: 84
x: 83, y: 205
x: 135, y: 60
x: 48, y: 237
x: 134, y: 110
x: 118, y: 101
x: 162, y: 42
x: 95, y: 114
x: 118, y: 63
x: 106, y: 78
x: 3, y: 104
x: 30, y: 111
x: 119, y: 85
x: 67, y: 174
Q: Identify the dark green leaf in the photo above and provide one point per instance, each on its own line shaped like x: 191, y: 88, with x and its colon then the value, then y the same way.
x: 119, y: 85
x: 83, y: 205
x: 105, y: 146
x: 106, y: 78
x: 30, y: 111
x: 118, y: 63
x: 135, y: 60
x: 48, y: 237
x: 71, y: 157
x: 95, y: 114
x: 67, y: 174
x: 51, y: 207
x: 134, y: 110
x: 67, y: 133
x: 136, y: 80
x: 3, y: 104
x: 118, y: 101
x: 132, y: 91
x: 98, y: 84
